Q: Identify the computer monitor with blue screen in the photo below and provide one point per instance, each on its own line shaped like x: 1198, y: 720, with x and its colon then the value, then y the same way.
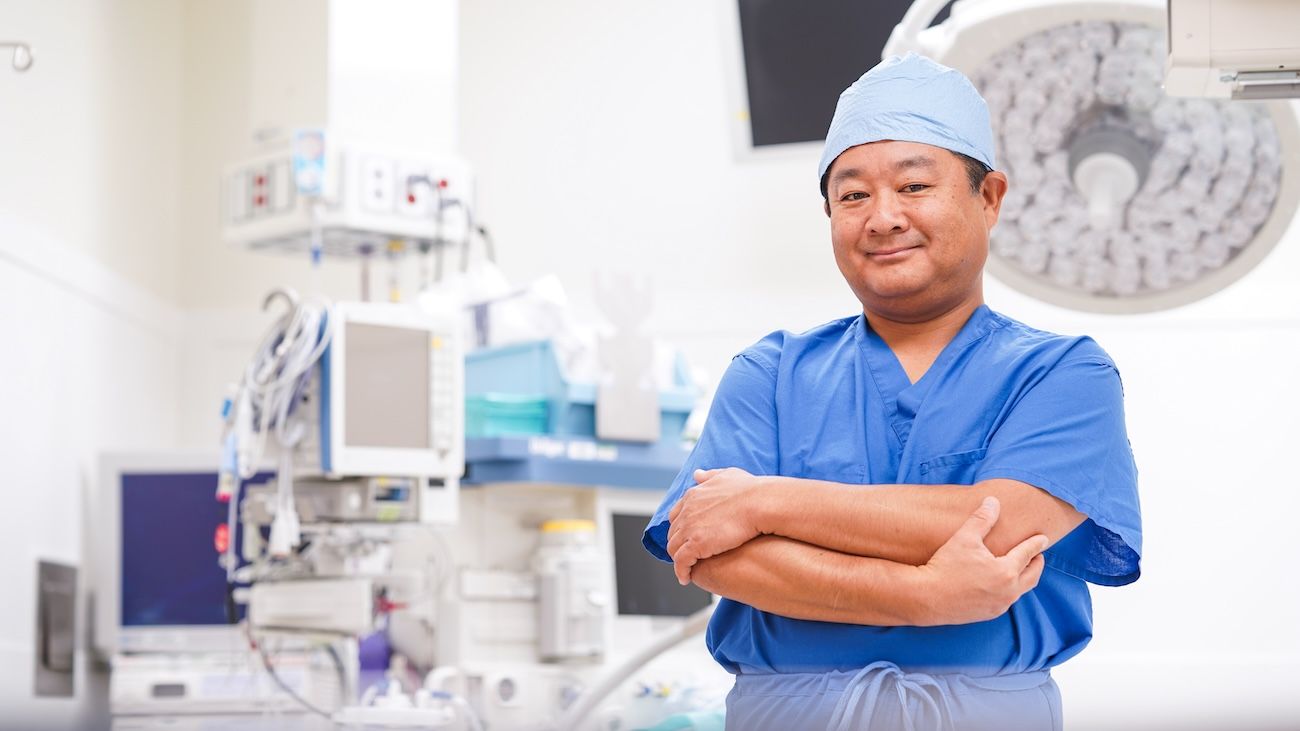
x: 158, y: 585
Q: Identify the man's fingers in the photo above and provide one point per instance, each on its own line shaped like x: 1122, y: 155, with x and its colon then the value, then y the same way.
x: 1031, y: 547
x: 1032, y: 573
x: 682, y: 567
x: 675, y: 540
x: 702, y: 475
x: 980, y: 522
x: 683, y: 574
x: 677, y: 508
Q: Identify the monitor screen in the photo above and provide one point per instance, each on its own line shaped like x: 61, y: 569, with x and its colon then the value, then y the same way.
x: 800, y: 54
x: 646, y: 585
x: 170, y: 575
x: 386, y: 387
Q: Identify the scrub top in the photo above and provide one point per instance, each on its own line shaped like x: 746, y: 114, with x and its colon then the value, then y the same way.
x: 1001, y: 400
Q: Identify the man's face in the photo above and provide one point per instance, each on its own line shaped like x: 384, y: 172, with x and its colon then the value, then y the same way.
x: 910, y: 236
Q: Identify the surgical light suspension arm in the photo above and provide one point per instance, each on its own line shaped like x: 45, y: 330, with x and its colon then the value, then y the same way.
x: 917, y: 18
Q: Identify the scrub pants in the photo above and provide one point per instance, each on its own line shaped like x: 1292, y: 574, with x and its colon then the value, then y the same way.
x: 881, y: 697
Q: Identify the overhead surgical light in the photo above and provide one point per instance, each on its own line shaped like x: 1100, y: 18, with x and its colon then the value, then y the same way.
x: 1122, y: 198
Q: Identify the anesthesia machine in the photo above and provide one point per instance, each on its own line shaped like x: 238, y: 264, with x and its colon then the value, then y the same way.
x: 341, y: 569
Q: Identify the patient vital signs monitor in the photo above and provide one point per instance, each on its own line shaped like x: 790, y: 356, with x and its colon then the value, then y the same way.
x: 389, y: 400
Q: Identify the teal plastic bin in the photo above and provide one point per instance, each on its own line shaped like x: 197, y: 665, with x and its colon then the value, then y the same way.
x: 503, y: 414
x: 531, y: 371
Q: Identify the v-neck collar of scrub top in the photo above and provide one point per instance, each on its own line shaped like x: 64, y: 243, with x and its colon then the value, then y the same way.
x: 902, y: 399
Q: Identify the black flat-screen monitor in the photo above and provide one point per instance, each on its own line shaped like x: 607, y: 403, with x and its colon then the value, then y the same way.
x: 646, y: 585
x: 800, y: 54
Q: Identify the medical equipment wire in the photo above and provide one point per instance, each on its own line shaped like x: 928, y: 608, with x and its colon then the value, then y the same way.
x: 271, y: 386
x: 232, y: 510
x: 275, y: 676
x: 468, y: 240
x: 489, y: 249
x: 277, y: 372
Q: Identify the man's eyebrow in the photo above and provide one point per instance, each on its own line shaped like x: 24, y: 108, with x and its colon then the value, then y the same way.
x: 907, y: 163
x: 918, y: 161
x: 844, y: 174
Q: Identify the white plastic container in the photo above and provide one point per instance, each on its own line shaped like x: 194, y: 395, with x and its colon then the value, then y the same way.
x: 572, y: 598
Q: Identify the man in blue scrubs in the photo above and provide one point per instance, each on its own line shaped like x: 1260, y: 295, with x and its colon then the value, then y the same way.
x: 902, y: 508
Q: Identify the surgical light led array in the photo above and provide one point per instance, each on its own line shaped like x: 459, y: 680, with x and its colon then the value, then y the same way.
x: 1118, y: 190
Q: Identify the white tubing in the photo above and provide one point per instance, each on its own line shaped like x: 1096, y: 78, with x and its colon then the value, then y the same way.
x: 577, y: 714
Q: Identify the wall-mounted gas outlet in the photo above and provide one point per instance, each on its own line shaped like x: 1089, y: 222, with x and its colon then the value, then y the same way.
x: 417, y: 194
x: 259, y: 190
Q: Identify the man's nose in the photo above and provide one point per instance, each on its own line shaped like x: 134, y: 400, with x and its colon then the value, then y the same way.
x: 886, y: 217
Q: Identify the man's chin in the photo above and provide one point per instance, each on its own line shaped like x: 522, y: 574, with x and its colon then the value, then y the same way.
x: 902, y: 304
x: 897, y: 293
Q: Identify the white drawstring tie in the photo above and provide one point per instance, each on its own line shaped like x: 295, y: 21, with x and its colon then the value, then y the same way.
x: 854, y: 711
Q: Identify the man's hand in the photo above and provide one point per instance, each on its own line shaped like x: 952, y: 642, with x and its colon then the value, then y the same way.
x: 713, y: 517
x: 966, y: 583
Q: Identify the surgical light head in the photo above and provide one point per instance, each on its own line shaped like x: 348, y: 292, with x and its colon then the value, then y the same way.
x: 1118, y: 190
x: 911, y: 99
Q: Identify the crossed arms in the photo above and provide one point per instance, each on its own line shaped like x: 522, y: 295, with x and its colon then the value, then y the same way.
x: 887, y: 555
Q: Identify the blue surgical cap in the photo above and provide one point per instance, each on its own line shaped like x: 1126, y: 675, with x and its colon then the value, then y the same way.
x: 911, y: 99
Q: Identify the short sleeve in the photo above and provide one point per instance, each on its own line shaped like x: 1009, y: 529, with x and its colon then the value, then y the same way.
x: 739, y: 432
x: 1067, y: 436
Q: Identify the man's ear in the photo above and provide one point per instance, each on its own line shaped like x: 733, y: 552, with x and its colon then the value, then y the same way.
x: 826, y: 206
x: 993, y: 190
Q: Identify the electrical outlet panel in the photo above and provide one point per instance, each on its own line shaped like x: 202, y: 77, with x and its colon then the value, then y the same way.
x: 368, y: 196
x: 378, y: 184
x: 281, y: 190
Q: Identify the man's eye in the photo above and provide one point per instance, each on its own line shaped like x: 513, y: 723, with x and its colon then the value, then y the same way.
x: 915, y: 188
x: 856, y: 195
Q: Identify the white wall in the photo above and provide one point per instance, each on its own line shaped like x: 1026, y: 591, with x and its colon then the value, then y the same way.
x: 603, y: 137
x: 88, y: 146
x: 91, y: 132
x: 218, y: 115
x: 91, y: 365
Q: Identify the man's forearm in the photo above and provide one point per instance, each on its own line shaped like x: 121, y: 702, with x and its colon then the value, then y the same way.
x: 905, y: 523
x: 803, y: 581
